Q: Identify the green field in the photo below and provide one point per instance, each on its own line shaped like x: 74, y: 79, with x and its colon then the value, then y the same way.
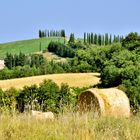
x: 26, y: 46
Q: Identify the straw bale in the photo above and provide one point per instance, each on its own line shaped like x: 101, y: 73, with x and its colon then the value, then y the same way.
x: 111, y: 101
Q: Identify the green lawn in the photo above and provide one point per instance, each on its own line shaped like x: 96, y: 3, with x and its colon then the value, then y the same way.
x: 26, y: 46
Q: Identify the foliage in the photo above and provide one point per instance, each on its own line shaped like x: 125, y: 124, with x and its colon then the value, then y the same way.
x: 131, y: 41
x: 51, y: 33
x: 123, y: 70
x: 46, y: 97
x: 61, y: 49
x: 72, y: 38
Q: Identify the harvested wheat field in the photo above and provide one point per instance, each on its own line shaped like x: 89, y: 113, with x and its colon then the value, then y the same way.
x: 72, y: 79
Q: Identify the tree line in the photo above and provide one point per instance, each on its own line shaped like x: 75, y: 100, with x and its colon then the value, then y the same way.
x: 21, y: 60
x: 98, y: 39
x: 51, y: 33
x: 61, y: 49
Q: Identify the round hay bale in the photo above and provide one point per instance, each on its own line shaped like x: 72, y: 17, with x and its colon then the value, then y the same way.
x: 111, y: 101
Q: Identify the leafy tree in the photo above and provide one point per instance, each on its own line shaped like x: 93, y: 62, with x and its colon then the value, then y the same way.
x: 48, y: 96
x: 131, y: 41
x: 8, y: 61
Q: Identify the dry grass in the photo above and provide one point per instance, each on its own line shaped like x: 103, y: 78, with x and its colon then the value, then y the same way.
x: 72, y: 79
x: 69, y: 126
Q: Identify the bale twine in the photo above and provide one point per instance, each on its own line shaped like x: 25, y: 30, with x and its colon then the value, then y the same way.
x: 111, y: 101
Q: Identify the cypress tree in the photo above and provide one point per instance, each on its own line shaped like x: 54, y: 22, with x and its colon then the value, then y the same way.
x: 84, y: 38
x: 103, y: 40
x: 118, y: 38
x: 106, y: 39
x: 89, y: 39
x: 40, y: 34
x: 92, y: 38
x: 72, y: 38
x: 114, y: 40
x: 95, y: 39
x: 8, y: 61
x: 63, y: 33
x: 40, y: 46
x: 99, y: 40
x: 48, y: 33
x: 121, y: 38
x: 110, y: 39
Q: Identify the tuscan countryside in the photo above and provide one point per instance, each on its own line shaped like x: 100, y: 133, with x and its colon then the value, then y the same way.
x: 70, y: 70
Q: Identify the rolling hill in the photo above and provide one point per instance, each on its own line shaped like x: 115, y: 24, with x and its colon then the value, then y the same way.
x: 26, y: 46
x: 72, y: 79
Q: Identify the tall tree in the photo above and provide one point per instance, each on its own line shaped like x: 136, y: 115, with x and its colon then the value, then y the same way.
x: 103, y: 40
x: 40, y: 34
x: 99, y: 40
x: 63, y: 33
x: 110, y: 39
x: 95, y: 39
x: 72, y: 38
x: 87, y: 37
x: 89, y: 40
x: 106, y: 39
x: 92, y: 38
x: 84, y: 38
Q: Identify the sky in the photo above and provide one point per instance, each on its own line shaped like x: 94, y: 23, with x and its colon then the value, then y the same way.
x: 21, y: 19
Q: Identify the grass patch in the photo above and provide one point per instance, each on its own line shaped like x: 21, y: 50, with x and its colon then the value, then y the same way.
x: 26, y: 46
x: 69, y: 126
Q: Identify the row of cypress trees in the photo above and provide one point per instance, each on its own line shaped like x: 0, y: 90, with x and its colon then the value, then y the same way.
x: 51, y: 33
x: 99, y: 39
x: 21, y: 60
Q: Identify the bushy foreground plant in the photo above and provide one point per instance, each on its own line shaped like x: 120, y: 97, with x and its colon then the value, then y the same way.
x: 48, y: 96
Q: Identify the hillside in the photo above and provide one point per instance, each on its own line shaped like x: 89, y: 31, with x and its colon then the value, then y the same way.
x: 74, y: 80
x: 26, y: 46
